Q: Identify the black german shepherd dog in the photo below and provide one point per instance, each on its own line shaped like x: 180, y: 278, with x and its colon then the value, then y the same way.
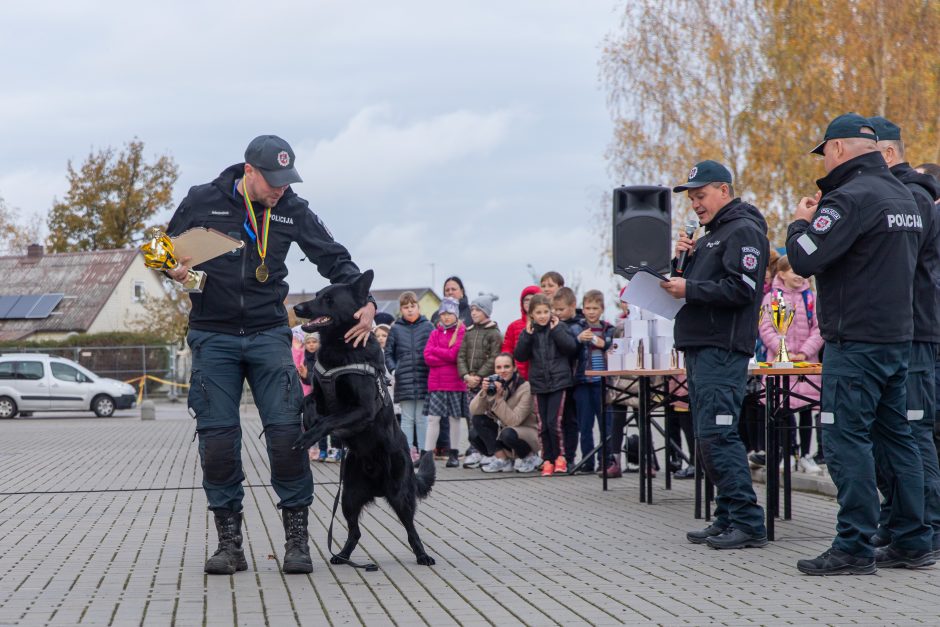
x: 350, y: 400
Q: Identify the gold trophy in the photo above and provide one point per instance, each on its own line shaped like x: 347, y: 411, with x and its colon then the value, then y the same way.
x: 781, y: 316
x: 158, y: 255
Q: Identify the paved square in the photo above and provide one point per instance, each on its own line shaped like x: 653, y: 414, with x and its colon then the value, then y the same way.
x: 104, y: 522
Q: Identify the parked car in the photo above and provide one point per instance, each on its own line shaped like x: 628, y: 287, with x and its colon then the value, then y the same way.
x: 32, y: 382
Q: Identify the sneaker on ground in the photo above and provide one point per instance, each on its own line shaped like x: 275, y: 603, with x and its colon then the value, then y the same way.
x: 440, y: 453
x: 486, y: 459
x: 631, y: 467
x: 758, y: 459
x: 473, y: 460
x: 891, y: 557
x: 561, y: 465
x: 613, y: 470
x: 452, y: 459
x: 548, y: 469
x: 686, y: 473
x: 336, y: 455
x: 808, y: 465
x: 732, y: 538
x: 793, y: 464
x: 322, y: 455
x: 836, y: 562
x: 819, y: 458
x: 529, y: 463
x: 499, y: 465
x: 699, y: 537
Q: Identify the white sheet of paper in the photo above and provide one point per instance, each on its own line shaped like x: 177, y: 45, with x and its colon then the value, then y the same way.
x: 643, y: 291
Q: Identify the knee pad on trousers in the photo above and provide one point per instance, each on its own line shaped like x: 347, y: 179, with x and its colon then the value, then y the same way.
x: 286, y: 463
x: 220, y: 455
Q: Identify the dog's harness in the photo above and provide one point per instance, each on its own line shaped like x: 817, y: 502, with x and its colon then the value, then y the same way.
x: 326, y: 380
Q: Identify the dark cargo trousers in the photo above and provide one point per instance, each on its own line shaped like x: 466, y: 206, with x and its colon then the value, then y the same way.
x: 864, y: 399
x: 221, y: 364
x: 716, y: 379
x: 921, y: 405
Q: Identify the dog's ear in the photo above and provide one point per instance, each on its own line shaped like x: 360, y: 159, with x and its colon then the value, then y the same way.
x: 361, y: 286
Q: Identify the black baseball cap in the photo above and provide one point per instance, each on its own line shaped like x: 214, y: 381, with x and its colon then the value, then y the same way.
x: 703, y: 173
x: 845, y: 126
x: 885, y: 129
x: 274, y: 158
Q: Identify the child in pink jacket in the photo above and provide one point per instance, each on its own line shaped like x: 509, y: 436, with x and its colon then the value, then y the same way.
x: 447, y: 393
x: 803, y: 344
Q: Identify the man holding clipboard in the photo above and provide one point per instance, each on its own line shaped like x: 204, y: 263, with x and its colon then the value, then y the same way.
x: 238, y: 331
x: 721, y: 282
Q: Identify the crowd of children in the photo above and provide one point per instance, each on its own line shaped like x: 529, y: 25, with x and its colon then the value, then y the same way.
x: 525, y: 394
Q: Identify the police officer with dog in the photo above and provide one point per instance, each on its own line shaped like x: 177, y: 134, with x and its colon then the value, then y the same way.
x: 717, y: 328
x: 921, y: 402
x: 859, y: 236
x: 238, y: 331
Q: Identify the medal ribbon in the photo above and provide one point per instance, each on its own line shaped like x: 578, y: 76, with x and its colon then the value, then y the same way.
x: 262, y: 241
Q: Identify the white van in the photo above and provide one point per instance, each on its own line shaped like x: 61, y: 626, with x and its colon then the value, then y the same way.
x: 32, y: 382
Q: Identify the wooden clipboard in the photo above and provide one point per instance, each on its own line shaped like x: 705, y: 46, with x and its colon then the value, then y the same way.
x: 203, y: 244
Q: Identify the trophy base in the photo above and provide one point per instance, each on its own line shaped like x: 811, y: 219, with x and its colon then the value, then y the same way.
x: 195, y: 282
x: 782, y: 364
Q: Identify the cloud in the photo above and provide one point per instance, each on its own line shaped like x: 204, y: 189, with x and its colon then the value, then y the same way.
x: 376, y: 151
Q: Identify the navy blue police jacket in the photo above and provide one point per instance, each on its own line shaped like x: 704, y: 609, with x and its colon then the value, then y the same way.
x: 234, y: 301
x: 925, y: 190
x: 724, y: 279
x: 861, y: 246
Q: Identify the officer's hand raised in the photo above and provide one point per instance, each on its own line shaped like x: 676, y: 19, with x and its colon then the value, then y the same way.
x: 807, y: 207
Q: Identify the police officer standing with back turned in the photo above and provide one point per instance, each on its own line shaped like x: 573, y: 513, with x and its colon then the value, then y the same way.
x: 717, y: 328
x: 860, y: 236
x: 238, y: 331
x: 921, y: 401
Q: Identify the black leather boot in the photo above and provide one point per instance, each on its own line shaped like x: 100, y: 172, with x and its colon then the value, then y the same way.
x: 229, y: 557
x: 296, y: 549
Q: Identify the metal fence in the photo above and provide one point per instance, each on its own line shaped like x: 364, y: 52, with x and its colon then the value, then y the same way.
x: 158, y: 366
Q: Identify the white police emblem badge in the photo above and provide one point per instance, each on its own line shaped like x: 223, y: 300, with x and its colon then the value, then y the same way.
x: 822, y: 224
x: 283, y: 159
x: 692, y: 173
x: 749, y: 258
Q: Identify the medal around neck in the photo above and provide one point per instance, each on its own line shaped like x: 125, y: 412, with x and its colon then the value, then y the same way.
x: 261, y: 272
x: 158, y: 255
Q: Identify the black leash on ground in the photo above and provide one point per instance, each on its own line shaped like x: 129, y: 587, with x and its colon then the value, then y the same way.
x: 370, y: 567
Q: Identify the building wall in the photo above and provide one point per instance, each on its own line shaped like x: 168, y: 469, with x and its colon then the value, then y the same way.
x: 122, y: 309
x: 429, y: 304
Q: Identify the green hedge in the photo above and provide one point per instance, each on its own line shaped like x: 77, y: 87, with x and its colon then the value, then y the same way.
x: 116, y: 338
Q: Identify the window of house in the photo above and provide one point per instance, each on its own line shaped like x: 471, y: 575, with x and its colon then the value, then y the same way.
x: 139, y: 291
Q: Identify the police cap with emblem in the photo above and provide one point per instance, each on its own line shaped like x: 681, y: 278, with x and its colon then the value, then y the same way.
x: 274, y: 158
x: 703, y: 173
x: 885, y: 129
x: 845, y: 126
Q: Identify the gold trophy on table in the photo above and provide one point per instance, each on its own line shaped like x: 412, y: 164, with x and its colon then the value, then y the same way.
x: 781, y: 316
x: 158, y: 255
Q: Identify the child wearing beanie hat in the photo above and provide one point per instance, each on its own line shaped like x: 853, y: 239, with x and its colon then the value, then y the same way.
x: 447, y: 394
x: 475, y: 361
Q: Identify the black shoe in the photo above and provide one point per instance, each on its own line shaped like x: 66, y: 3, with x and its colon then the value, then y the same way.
x: 686, y: 473
x: 452, y: 461
x: 229, y: 557
x: 820, y: 459
x: 890, y: 557
x: 699, y: 537
x: 880, y: 538
x: 736, y: 539
x: 296, y: 549
x: 836, y: 562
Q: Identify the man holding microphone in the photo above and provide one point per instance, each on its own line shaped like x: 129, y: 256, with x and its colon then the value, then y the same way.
x: 721, y: 282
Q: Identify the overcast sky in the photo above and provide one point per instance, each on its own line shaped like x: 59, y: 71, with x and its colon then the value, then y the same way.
x: 469, y: 135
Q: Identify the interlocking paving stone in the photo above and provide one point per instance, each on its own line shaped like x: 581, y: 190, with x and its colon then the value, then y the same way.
x: 104, y: 522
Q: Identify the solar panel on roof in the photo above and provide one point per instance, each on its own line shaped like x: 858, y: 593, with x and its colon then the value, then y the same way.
x: 23, y: 306
x: 6, y: 304
x: 45, y: 305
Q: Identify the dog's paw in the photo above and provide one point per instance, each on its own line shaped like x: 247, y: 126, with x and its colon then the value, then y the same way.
x: 426, y: 560
x: 306, y: 440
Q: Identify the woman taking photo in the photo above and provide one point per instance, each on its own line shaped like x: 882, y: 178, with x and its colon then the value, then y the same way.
x: 504, y: 421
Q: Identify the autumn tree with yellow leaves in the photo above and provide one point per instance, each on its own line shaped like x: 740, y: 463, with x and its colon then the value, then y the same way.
x: 753, y: 83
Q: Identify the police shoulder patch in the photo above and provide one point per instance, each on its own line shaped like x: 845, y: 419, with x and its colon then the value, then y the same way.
x: 825, y: 220
x: 749, y: 256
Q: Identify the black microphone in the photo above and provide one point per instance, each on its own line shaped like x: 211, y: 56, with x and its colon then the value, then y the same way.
x: 690, y: 227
